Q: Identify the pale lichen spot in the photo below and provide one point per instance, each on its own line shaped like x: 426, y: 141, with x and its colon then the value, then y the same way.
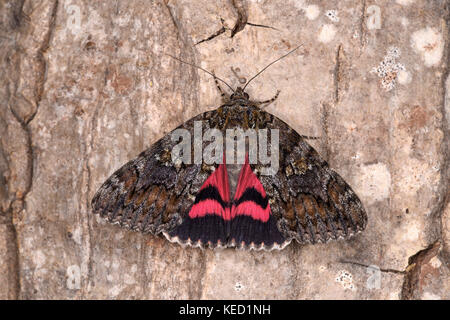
x: 404, y: 21
x: 429, y: 43
x: 411, y: 231
x: 388, y: 69
x: 435, y: 262
x: 345, y: 279
x: 404, y: 77
x: 311, y: 11
x: 405, y: 2
x: 327, y: 33
x: 395, y: 295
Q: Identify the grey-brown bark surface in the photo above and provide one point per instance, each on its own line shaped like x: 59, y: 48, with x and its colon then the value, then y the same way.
x: 85, y: 86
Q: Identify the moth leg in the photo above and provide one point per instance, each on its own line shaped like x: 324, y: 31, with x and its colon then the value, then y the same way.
x: 222, y: 94
x: 267, y: 102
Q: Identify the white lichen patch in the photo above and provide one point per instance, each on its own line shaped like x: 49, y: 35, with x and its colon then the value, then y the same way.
x: 395, y: 295
x: 411, y: 231
x: 389, y: 68
x: 435, y: 262
x: 327, y: 33
x: 374, y: 182
x: 404, y: 77
x: 404, y: 21
x: 429, y: 43
x: 345, y: 279
x: 405, y: 2
x: 332, y: 15
x: 311, y: 11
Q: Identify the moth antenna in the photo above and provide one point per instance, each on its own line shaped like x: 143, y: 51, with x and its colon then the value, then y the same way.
x: 243, y: 89
x: 193, y: 65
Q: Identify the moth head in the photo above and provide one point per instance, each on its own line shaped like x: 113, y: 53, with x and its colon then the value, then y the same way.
x: 239, y: 94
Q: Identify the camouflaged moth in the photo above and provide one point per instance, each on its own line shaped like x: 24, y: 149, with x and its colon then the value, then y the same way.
x: 195, y: 204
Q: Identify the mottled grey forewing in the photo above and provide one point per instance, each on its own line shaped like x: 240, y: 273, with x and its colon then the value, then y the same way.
x: 150, y: 193
x: 311, y: 202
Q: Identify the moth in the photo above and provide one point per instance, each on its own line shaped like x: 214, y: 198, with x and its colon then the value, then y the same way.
x: 197, y: 204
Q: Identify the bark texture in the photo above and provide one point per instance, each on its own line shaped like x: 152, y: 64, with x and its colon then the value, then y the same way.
x: 86, y: 86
